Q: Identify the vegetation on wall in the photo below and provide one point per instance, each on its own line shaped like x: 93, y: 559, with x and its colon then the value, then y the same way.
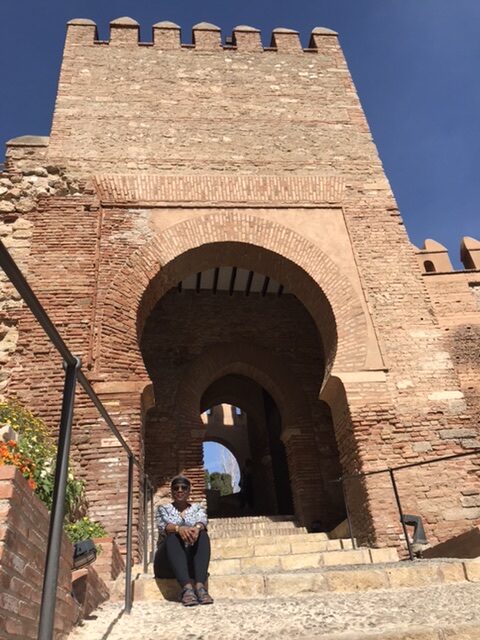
x: 220, y: 482
x: 26, y: 443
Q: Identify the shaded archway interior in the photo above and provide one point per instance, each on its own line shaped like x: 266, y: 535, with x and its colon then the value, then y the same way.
x: 255, y: 437
x: 251, y: 259
x: 276, y: 356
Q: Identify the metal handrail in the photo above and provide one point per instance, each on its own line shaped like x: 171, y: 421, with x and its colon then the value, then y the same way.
x: 391, y: 473
x: 73, y: 375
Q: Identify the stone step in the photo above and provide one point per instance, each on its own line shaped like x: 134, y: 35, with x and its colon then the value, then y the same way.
x: 246, y: 519
x: 255, y: 530
x: 321, y: 580
x: 242, y: 521
x: 326, y: 579
x: 287, y: 524
x: 284, y: 560
x: 297, y: 540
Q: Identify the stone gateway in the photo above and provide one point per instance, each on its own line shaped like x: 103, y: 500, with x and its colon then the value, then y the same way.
x: 210, y: 225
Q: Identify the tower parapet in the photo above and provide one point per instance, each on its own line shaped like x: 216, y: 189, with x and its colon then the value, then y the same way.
x: 433, y: 257
x: 125, y: 31
x: 470, y: 253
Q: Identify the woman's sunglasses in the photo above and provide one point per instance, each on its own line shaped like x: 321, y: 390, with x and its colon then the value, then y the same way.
x: 181, y: 487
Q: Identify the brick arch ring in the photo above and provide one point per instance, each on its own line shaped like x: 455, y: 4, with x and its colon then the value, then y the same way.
x: 261, y: 365
x: 231, y: 238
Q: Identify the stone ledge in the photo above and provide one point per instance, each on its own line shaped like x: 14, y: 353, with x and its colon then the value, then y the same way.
x: 28, y: 141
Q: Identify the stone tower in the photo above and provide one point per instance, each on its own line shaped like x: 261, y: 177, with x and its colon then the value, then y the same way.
x: 210, y: 223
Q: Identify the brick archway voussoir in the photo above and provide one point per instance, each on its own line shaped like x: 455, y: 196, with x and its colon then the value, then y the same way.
x: 304, y: 269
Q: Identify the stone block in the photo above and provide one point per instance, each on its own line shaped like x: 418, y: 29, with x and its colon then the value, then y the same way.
x: 472, y: 570
x: 300, y: 561
x: 333, y: 545
x: 465, y: 632
x: 234, y: 552
x: 308, y: 547
x: 260, y: 563
x: 272, y: 549
x: 360, y: 580
x: 237, y: 586
x: 414, y: 575
x: 355, y: 556
x: 286, y: 584
x: 346, y: 543
x: 224, y: 567
x: 452, y: 572
x: 388, y: 554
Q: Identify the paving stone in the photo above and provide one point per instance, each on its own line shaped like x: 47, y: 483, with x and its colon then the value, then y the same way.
x: 443, y: 612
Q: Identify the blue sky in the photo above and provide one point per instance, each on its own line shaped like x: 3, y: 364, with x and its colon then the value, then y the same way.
x: 416, y: 65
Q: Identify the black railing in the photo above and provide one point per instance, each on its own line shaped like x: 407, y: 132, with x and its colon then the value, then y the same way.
x: 74, y: 375
x: 391, y: 473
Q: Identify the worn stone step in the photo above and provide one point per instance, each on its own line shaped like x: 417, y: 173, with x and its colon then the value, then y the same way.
x: 248, y: 519
x: 297, y: 538
x: 321, y: 580
x: 256, y: 531
x: 284, y: 548
x: 288, y: 561
x: 289, y: 524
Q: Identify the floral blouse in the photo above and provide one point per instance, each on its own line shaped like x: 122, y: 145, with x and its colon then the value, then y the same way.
x: 167, y: 514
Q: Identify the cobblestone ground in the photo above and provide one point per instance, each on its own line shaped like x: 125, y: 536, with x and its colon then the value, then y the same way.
x: 309, y: 617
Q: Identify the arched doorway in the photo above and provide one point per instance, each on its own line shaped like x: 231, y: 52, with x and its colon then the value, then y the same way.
x: 251, y: 429
x: 230, y: 334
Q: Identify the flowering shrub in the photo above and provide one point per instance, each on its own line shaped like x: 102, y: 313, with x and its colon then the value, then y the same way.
x: 34, y: 453
x: 9, y: 454
x: 83, y: 529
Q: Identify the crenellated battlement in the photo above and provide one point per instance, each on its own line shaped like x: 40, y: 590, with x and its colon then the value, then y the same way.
x: 206, y: 37
x: 433, y: 257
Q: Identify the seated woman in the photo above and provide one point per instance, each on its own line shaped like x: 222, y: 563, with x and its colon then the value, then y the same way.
x: 184, y: 545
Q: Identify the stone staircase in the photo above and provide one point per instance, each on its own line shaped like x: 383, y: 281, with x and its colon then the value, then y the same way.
x: 260, y: 556
x: 272, y: 579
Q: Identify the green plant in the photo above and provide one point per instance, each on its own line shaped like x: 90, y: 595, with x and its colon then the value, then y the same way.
x: 83, y: 529
x: 221, y: 482
x: 36, y: 445
x: 35, y: 454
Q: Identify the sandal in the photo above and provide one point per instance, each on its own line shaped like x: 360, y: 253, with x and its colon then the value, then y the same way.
x: 188, y: 597
x: 203, y: 597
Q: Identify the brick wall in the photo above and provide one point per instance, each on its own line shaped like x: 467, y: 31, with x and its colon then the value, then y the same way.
x: 24, y: 533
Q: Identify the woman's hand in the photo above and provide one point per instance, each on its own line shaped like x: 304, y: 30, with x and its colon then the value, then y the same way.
x: 188, y: 534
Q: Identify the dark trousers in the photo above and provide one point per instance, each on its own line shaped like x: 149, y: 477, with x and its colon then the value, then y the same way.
x: 187, y: 564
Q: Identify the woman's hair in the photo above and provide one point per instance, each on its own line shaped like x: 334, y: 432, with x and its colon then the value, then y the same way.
x: 180, y: 480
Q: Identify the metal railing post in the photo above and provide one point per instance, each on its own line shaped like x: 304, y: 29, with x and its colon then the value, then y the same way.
x: 152, y: 525
x: 400, y: 512
x: 349, y: 517
x: 57, y: 515
x: 145, y: 524
x: 128, y: 564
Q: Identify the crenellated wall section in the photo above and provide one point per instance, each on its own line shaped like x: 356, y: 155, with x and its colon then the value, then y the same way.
x: 455, y: 296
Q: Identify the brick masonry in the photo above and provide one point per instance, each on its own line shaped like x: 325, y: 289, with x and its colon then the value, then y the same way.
x: 24, y: 533
x: 197, y: 156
